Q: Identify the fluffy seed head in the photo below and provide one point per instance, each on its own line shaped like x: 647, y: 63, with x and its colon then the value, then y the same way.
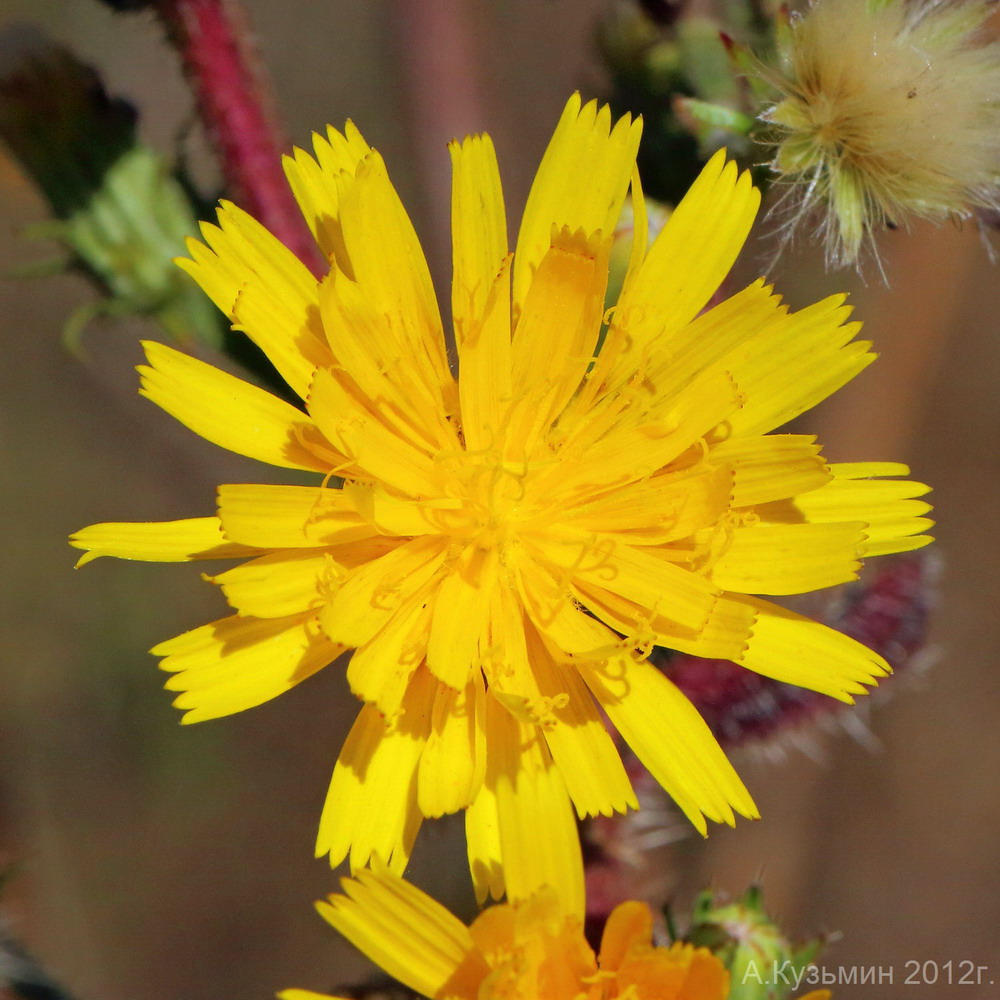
x: 888, y: 110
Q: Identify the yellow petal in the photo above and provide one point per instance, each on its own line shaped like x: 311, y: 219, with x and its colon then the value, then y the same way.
x: 371, y: 594
x: 638, y: 574
x: 232, y: 413
x: 723, y: 635
x: 788, y: 647
x: 539, y: 842
x: 660, y: 509
x: 364, y: 341
x: 688, y: 261
x: 410, y: 936
x: 640, y: 230
x: 460, y: 615
x: 555, y: 612
x: 288, y: 517
x: 380, y: 669
x: 562, y: 311
x: 314, y: 184
x: 453, y: 763
x: 484, y: 367
x: 390, y: 514
x: 265, y: 289
x: 577, y: 738
x: 237, y: 663
x: 788, y: 558
x: 532, y: 680
x: 646, y: 439
x: 673, y: 362
x: 158, y: 541
x: 280, y: 583
x: 671, y: 739
x: 482, y: 837
x: 772, y: 467
x: 869, y: 470
x: 794, y: 362
x: 391, y: 271
x: 580, y: 184
x: 371, y: 806
x: 373, y: 451
x: 556, y: 334
x: 606, y: 360
x: 505, y: 657
x: 478, y: 229
x: 889, y: 507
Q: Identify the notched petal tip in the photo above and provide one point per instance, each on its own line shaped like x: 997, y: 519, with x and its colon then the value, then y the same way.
x: 207, y: 230
x: 87, y: 557
x: 186, y: 263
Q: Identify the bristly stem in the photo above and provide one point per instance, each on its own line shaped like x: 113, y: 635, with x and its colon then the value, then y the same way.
x: 237, y: 110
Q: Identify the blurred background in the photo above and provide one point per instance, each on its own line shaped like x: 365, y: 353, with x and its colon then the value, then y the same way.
x: 150, y: 861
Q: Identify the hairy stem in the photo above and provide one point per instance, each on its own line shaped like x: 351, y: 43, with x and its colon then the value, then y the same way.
x: 237, y: 109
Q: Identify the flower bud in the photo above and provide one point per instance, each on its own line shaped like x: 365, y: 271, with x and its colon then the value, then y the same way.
x: 118, y: 209
x: 886, y: 111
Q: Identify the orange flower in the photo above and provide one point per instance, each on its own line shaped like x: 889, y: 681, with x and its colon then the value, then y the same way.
x: 514, y: 951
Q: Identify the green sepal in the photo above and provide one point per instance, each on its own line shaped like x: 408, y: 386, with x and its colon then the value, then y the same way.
x: 716, y: 116
x: 751, y: 945
x: 118, y: 209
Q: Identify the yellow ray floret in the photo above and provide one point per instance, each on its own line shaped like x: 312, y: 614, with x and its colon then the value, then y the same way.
x: 671, y: 739
x: 525, y: 949
x: 580, y: 184
x: 501, y: 548
x: 314, y: 184
x: 710, y: 225
x: 530, y: 797
x: 479, y: 234
x: 159, y: 541
x: 371, y: 805
x: 264, y: 289
x: 237, y: 663
x: 232, y: 413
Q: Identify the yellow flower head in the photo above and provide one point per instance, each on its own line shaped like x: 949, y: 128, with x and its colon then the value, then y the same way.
x: 889, y: 109
x: 519, y: 951
x: 508, y: 544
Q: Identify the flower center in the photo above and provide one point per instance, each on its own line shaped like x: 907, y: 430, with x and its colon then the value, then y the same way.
x: 493, y: 494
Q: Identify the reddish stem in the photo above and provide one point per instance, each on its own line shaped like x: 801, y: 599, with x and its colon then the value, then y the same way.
x: 237, y: 110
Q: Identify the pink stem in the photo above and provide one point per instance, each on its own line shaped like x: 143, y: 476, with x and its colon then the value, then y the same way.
x: 237, y: 110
